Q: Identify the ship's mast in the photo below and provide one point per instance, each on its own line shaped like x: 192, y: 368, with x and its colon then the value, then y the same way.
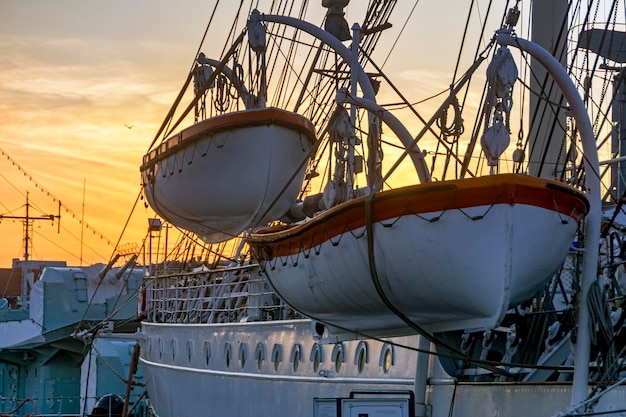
x: 549, y: 30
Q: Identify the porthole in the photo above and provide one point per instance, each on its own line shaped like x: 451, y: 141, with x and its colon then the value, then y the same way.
x: 277, y: 356
x: 150, y: 347
x: 338, y: 361
x: 259, y: 354
x: 361, y: 358
x: 207, y: 352
x: 174, y: 348
x: 161, y: 347
x: 228, y: 354
x: 296, y: 357
x: 387, y: 361
x: 360, y: 361
x: 386, y: 357
x: 338, y: 356
x: 189, y: 350
x: 243, y: 354
x: 316, y: 357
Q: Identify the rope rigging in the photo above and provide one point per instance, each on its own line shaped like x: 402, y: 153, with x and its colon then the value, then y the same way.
x: 54, y: 198
x: 315, y: 88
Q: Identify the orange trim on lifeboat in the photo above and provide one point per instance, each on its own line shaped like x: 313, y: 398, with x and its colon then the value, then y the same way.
x: 246, y: 118
x: 420, y: 199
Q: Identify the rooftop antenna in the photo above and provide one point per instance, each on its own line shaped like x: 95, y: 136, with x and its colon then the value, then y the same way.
x: 28, y: 221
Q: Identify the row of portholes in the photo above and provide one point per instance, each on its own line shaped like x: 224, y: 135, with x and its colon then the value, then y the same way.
x: 296, y: 358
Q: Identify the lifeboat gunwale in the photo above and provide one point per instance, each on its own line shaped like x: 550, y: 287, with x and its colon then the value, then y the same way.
x: 452, y: 194
x: 245, y: 118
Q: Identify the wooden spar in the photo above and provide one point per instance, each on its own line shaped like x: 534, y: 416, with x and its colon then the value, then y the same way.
x: 131, y: 371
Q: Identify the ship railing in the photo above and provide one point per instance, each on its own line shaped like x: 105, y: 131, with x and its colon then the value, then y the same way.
x: 224, y: 295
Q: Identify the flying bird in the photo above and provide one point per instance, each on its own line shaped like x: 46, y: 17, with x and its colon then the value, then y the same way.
x: 130, y: 127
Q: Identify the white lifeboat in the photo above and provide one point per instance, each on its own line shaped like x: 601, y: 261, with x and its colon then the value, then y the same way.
x: 230, y: 172
x: 448, y: 255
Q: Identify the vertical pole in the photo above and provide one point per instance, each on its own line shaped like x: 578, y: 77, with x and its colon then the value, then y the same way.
x: 421, y: 376
x: 27, y: 227
x: 150, y: 252
x: 27, y: 221
x: 263, y: 89
x: 167, y: 230
x: 442, y: 390
x: 354, y: 78
x: 131, y: 371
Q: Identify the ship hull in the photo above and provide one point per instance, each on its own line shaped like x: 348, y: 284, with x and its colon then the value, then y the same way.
x: 188, y: 385
x: 447, y: 256
x: 246, y: 388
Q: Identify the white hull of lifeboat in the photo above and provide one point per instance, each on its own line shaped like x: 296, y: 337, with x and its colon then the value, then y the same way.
x: 228, y: 173
x: 452, y: 269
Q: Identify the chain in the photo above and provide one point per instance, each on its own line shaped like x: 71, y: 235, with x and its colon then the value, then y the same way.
x: 117, y: 374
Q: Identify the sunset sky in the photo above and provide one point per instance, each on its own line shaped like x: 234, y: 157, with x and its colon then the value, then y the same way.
x: 74, y: 73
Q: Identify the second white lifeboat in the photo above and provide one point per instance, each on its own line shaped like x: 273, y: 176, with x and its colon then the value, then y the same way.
x: 230, y: 172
